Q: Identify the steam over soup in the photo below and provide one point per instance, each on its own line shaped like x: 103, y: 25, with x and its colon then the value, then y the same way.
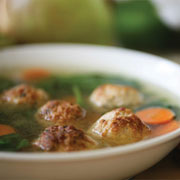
x: 41, y: 111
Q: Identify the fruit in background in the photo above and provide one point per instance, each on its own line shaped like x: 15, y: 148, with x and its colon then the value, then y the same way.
x: 139, y: 26
x: 4, y: 41
x: 88, y: 21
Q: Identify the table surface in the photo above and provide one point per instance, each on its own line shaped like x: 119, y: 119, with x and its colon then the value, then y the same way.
x: 168, y: 168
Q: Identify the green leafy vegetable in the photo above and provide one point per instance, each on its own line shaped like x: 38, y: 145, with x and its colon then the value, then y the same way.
x: 153, y: 104
x: 5, y: 83
x: 79, y: 97
x: 12, y: 142
x: 138, y: 26
x: 58, y: 87
x: 22, y: 119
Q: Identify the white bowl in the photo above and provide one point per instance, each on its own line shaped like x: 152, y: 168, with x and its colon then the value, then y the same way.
x: 108, y: 163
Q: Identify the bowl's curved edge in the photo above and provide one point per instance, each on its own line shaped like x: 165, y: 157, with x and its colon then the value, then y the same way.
x: 100, y: 153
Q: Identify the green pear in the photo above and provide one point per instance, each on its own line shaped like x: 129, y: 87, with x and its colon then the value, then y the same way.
x: 87, y: 21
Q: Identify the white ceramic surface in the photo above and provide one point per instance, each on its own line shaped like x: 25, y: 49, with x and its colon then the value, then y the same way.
x: 105, y: 164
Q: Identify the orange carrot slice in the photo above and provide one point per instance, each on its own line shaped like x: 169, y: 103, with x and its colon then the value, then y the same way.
x: 5, y: 129
x: 156, y: 115
x: 166, y: 128
x: 35, y: 74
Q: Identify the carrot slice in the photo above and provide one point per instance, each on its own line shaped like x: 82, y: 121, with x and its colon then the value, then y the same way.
x: 35, y: 74
x: 5, y: 129
x: 166, y: 128
x: 156, y: 115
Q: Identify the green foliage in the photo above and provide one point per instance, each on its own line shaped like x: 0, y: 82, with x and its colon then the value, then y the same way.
x: 12, y: 142
x: 22, y: 119
x: 58, y: 87
x: 5, y: 83
x: 153, y: 104
x: 79, y: 97
x: 139, y: 26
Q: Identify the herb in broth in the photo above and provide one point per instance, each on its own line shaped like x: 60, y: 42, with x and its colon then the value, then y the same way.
x: 5, y: 83
x: 73, y: 87
x: 22, y: 119
x: 79, y: 97
x: 59, y: 86
x: 13, y: 142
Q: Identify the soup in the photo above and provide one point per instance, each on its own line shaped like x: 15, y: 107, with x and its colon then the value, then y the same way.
x: 41, y: 111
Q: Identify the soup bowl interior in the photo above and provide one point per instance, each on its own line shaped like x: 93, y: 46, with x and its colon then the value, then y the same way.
x: 108, y: 163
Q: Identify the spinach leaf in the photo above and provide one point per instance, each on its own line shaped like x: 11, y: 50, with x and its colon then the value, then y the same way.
x: 12, y: 142
x: 79, y: 97
x: 22, y: 119
x: 153, y: 104
x: 61, y: 86
x: 5, y: 83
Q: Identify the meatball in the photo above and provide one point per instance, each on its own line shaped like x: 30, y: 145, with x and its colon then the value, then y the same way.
x: 109, y: 96
x: 24, y: 94
x: 64, y: 138
x: 61, y: 112
x: 119, y: 126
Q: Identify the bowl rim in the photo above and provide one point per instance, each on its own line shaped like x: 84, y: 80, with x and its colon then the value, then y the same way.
x: 90, y: 154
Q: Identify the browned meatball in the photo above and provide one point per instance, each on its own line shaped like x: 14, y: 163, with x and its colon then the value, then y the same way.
x: 119, y: 126
x: 61, y: 112
x: 24, y: 94
x: 109, y: 96
x: 64, y: 138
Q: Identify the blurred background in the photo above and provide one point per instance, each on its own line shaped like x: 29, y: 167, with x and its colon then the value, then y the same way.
x: 147, y: 25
